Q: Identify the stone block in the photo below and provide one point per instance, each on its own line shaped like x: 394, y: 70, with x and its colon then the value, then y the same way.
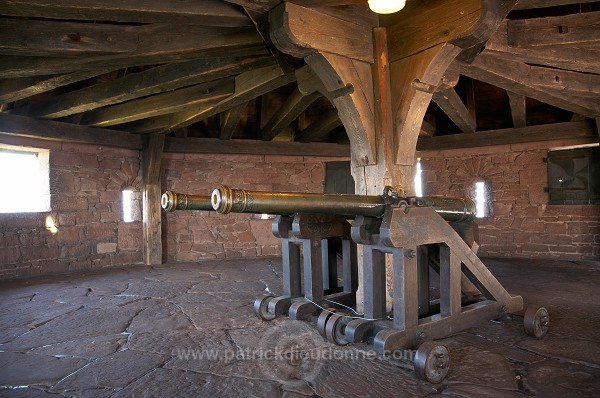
x: 130, y: 236
x: 9, y: 255
x: 101, y: 230
x: 106, y: 247
x: 69, y: 203
x: 41, y: 252
x: 70, y: 234
x: 66, y: 219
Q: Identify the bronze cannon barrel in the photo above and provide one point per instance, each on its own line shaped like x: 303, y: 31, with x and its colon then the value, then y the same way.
x: 225, y: 200
x: 171, y: 201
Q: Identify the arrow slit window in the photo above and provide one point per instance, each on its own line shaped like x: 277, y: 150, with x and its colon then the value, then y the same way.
x: 574, y: 176
x: 24, y: 180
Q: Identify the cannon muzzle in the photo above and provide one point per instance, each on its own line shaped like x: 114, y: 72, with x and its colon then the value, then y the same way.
x: 171, y: 201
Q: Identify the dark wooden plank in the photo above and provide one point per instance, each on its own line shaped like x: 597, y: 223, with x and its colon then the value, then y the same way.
x: 153, y: 81
x: 160, y: 104
x: 529, y: 4
x: 566, y: 57
x: 64, y: 39
x: 293, y: 106
x: 546, y: 132
x: 248, y: 86
x: 257, y: 5
x: 256, y: 147
x: 230, y: 120
x: 205, y: 12
x: 152, y: 231
x: 517, y: 109
x: 423, y: 25
x: 449, y: 101
x: 576, y: 29
x: 320, y: 128
x: 22, y: 126
x: 16, y: 89
x: 527, y: 80
x: 299, y: 31
x: 158, y: 43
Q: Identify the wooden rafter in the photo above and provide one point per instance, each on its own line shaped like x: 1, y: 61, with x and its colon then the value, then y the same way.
x: 526, y: 80
x: 20, y: 126
x: 160, y: 104
x: 529, y: 4
x: 547, y: 132
x: 565, y: 56
x: 580, y: 30
x: 294, y: 105
x: 320, y: 128
x: 157, y: 44
x: 153, y: 81
x: 205, y: 12
x: 449, y: 101
x: 248, y: 86
x: 230, y: 120
x: 517, y: 109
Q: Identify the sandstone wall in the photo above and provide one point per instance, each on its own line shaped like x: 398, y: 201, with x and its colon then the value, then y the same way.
x: 522, y: 223
x: 85, y: 185
x: 191, y: 236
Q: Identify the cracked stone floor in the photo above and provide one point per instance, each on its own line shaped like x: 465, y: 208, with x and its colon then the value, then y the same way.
x: 188, y: 330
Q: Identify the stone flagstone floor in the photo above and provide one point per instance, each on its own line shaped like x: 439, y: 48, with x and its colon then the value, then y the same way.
x: 188, y: 330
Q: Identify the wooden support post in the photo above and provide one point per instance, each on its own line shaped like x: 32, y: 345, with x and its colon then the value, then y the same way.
x: 151, y: 159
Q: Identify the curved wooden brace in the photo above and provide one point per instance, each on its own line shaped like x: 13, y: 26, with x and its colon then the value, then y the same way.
x: 356, y: 107
x: 341, y: 54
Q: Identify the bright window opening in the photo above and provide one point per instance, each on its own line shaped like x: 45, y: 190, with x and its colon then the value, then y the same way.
x: 480, y: 199
x: 418, y: 179
x: 128, y: 205
x: 24, y: 180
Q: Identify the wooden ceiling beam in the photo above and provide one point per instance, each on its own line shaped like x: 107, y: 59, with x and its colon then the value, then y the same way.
x: 546, y: 132
x: 160, y: 104
x: 255, y: 147
x: 156, y: 80
x: 565, y: 56
x: 334, y: 36
x: 248, y: 86
x: 449, y: 101
x: 230, y: 120
x: 522, y: 79
x: 64, y: 39
x: 574, y: 29
x: 320, y: 128
x: 205, y: 12
x: 21, y: 126
x: 529, y: 4
x: 157, y: 44
x: 16, y: 89
x: 293, y: 106
x: 517, y: 109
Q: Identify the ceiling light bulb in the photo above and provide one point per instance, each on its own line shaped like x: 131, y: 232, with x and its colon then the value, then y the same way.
x: 386, y: 6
